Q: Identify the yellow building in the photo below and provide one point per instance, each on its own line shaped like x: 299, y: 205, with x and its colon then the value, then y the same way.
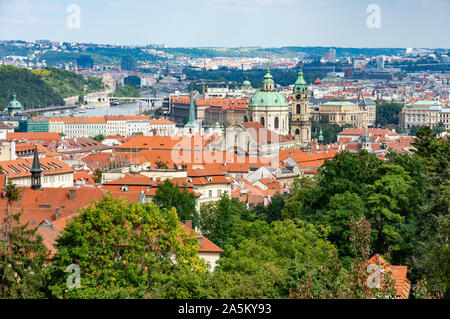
x: 341, y: 113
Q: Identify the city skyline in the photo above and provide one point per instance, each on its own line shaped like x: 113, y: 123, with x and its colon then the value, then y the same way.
x: 231, y: 23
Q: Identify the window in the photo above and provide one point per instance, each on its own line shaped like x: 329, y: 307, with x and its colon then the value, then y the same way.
x: 210, y: 193
x: 262, y: 121
x: 298, y: 108
x: 276, y: 123
x: 219, y: 192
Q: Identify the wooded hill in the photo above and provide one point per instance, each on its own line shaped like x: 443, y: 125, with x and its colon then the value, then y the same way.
x: 42, y: 87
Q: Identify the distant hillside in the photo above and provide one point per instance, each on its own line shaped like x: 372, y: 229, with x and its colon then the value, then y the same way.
x: 68, y: 83
x: 31, y: 90
x: 40, y: 88
x: 101, y: 56
x: 281, y: 76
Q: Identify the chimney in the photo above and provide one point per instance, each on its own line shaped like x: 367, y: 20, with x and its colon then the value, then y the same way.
x: 72, y: 195
x: 200, y: 242
x: 189, y: 223
x: 57, y: 213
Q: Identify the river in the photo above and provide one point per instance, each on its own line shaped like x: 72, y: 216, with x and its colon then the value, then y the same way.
x: 123, y: 109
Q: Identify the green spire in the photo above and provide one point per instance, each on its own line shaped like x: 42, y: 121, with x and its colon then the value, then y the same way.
x: 366, y: 137
x: 191, y: 121
x: 36, y: 166
x: 300, y: 84
x: 320, y: 136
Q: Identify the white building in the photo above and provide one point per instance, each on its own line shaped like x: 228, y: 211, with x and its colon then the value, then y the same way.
x: 162, y: 127
x: 424, y: 113
x: 54, y: 172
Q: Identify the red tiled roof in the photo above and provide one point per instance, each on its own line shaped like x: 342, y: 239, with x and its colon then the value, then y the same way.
x: 30, y: 136
x: 21, y: 167
x: 132, y: 179
x: 398, y: 274
x: 207, y: 245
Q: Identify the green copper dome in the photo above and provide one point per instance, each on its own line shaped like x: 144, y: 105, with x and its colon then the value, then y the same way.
x: 14, y: 104
x: 268, y: 98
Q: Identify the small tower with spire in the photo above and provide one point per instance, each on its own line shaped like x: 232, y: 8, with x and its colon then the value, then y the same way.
x: 320, y: 137
x: 36, y: 171
x: 366, y: 142
x: 191, y: 126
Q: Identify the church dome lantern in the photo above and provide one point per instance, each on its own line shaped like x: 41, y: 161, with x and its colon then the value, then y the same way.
x: 14, y: 106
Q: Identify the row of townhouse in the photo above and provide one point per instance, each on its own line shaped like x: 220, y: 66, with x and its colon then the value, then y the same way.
x: 74, y: 127
x: 425, y: 113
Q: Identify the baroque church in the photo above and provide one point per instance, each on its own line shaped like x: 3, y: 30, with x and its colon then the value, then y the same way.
x: 271, y: 110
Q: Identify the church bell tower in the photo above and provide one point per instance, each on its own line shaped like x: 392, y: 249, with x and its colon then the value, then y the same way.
x: 300, y: 122
x: 36, y: 171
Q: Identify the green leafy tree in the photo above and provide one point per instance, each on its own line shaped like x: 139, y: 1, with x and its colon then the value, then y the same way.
x: 387, y: 113
x: 161, y: 164
x: 300, y: 193
x: 99, y: 137
x: 273, y: 262
x: 431, y: 255
x: 273, y: 210
x: 217, y: 220
x: 123, y: 250
x: 98, y: 175
x: 388, y: 202
x: 169, y: 195
x: 338, y: 214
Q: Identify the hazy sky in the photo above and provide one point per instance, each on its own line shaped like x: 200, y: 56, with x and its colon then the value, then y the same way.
x: 403, y: 23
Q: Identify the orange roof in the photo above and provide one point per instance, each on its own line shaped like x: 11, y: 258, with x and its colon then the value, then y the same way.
x: 398, y: 274
x: 207, y: 245
x: 29, y: 147
x: 160, y: 122
x: 132, y: 179
x: 125, y: 117
x: 370, y: 131
x: 84, y: 120
x: 30, y: 136
x: 39, y: 205
x: 81, y: 177
x: 21, y: 167
x: 214, y: 102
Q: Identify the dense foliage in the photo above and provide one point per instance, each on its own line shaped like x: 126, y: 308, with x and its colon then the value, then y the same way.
x: 123, y: 250
x: 43, y: 87
x: 30, y: 89
x: 68, y: 83
x: 169, y: 195
x: 388, y: 113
